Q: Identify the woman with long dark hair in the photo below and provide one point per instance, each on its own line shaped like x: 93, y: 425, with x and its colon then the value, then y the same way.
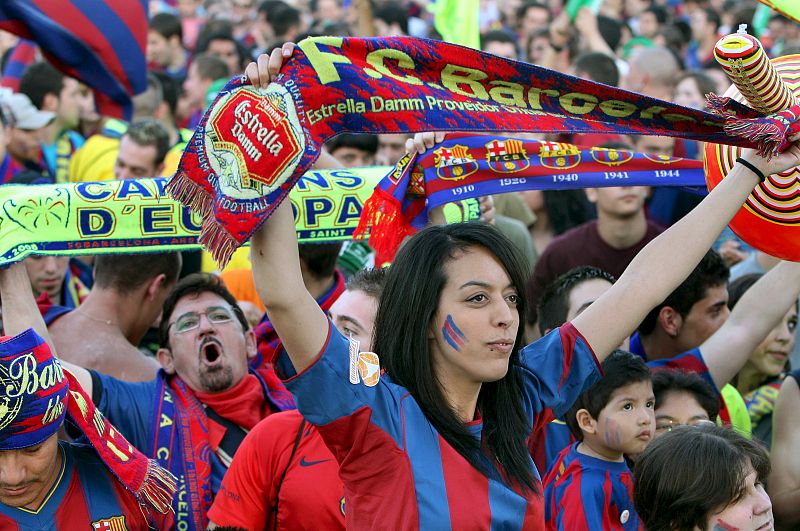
x: 438, y: 440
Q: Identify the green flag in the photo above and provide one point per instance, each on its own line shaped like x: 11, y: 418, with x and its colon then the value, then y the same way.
x: 457, y: 21
x: 787, y: 8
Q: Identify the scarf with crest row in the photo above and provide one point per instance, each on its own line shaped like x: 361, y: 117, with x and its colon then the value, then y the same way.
x: 252, y: 145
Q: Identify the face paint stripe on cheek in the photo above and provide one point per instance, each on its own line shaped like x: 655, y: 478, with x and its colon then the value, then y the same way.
x: 721, y: 525
x: 452, y: 334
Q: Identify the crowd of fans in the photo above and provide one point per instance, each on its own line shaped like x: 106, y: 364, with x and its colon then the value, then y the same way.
x: 671, y: 405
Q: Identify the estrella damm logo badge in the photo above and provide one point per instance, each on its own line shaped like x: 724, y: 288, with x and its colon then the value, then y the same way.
x: 611, y: 157
x: 454, y: 163
x: 253, y: 140
x: 661, y: 159
x: 115, y: 523
x: 506, y: 156
x: 559, y: 156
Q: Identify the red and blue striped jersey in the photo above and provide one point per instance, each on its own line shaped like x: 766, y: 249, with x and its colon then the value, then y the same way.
x: 84, y: 496
x: 547, y: 442
x: 398, y: 472
x: 586, y: 493
x: 8, y: 169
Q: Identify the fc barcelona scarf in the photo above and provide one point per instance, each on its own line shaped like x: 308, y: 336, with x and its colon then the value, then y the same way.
x: 467, y: 166
x: 38, y: 395
x: 181, y: 442
x: 252, y: 145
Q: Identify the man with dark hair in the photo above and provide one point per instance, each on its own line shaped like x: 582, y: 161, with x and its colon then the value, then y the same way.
x: 532, y: 16
x: 391, y: 20
x: 353, y: 150
x: 651, y: 20
x: 51, y: 91
x: 165, y: 51
x: 570, y: 294
x: 124, y: 302
x: 610, y: 242
x: 223, y: 45
x: 142, y: 150
x: 597, y: 66
x: 204, y: 70
x: 500, y: 43
x: 194, y: 414
x: 705, y: 24
x: 692, y: 313
x: 284, y: 21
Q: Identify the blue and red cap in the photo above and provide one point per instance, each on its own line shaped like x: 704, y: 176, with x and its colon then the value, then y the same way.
x: 33, y: 391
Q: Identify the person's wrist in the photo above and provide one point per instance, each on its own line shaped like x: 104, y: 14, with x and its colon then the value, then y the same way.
x: 753, y: 168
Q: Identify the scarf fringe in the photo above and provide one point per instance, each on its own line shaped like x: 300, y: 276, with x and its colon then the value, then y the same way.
x: 720, y: 105
x: 218, y: 241
x: 159, y: 487
x: 190, y: 193
x: 382, y: 217
x: 768, y: 133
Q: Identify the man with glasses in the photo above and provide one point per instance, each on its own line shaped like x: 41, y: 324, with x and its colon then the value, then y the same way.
x: 195, y: 413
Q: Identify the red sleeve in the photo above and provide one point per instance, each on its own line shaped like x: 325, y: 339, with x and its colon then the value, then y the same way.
x: 247, y: 495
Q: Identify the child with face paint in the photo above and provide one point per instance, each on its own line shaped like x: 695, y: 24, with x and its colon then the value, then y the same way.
x: 704, y: 477
x: 590, y: 485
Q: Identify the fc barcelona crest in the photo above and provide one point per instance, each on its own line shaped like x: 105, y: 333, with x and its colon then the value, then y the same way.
x: 662, y: 159
x: 416, y: 185
x: 506, y: 156
x: 611, y: 157
x: 115, y: 523
x: 559, y: 156
x: 454, y: 163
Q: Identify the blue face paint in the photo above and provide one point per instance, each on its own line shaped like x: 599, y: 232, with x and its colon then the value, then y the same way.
x: 453, y: 335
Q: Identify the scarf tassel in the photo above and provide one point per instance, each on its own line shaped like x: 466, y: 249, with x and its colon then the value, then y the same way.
x: 383, y: 219
x: 190, y: 193
x: 158, y: 487
x: 218, y: 241
x: 769, y: 133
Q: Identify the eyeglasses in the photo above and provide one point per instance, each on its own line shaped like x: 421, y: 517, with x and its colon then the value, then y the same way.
x: 664, y: 426
x: 191, y: 320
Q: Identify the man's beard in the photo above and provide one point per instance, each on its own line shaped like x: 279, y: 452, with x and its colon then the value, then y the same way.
x: 217, y: 379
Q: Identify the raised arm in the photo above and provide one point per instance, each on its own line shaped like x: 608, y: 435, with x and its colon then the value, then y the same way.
x: 20, y: 313
x: 667, y: 260
x: 298, y: 320
x: 758, y: 311
x: 784, y: 481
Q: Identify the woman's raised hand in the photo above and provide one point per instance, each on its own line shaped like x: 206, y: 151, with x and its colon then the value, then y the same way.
x: 261, y: 71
